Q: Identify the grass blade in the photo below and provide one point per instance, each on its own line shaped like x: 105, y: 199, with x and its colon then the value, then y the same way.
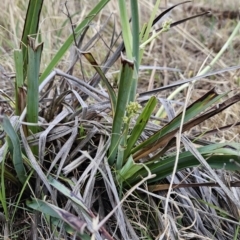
x: 61, y: 214
x: 128, y: 170
x: 216, y: 157
x: 30, y: 28
x: 140, y: 125
x: 15, y: 149
x: 3, y: 199
x: 193, y: 110
x: 34, y: 56
x: 135, y: 48
x: 126, y: 30
x: 64, y: 190
x: 110, y: 90
x: 122, y: 101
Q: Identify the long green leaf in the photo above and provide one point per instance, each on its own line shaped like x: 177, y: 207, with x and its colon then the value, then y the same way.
x: 15, y: 149
x: 79, y: 29
x: 30, y: 28
x: 126, y: 30
x: 140, y: 125
x: 165, y: 140
x: 218, y: 156
x: 135, y: 48
x: 192, y: 111
x: 34, y: 56
x: 122, y: 101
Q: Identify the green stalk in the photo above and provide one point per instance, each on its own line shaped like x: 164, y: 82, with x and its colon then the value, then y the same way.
x: 122, y: 102
x: 30, y: 28
x: 146, y: 30
x: 34, y: 57
x: 18, y: 59
x: 126, y: 31
x: 135, y: 48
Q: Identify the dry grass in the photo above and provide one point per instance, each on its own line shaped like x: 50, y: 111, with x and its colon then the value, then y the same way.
x: 187, y: 47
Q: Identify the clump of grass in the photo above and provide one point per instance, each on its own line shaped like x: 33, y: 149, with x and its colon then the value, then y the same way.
x: 95, y: 162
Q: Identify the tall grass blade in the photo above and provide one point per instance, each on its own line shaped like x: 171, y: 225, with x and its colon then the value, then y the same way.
x: 30, y: 28
x: 126, y: 30
x: 34, y: 56
x: 122, y: 101
x: 135, y: 48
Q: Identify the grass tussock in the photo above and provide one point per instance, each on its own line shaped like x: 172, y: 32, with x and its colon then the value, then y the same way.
x: 112, y: 130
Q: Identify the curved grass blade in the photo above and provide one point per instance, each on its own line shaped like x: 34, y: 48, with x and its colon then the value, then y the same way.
x: 110, y: 90
x: 184, y: 20
x: 64, y: 190
x: 51, y: 210
x: 78, y: 31
x: 215, y: 110
x: 73, y: 197
x: 158, y: 18
x: 146, y: 31
x: 168, y: 137
x: 15, y: 149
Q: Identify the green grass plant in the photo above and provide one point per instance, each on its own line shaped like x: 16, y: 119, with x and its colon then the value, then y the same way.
x: 86, y: 155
